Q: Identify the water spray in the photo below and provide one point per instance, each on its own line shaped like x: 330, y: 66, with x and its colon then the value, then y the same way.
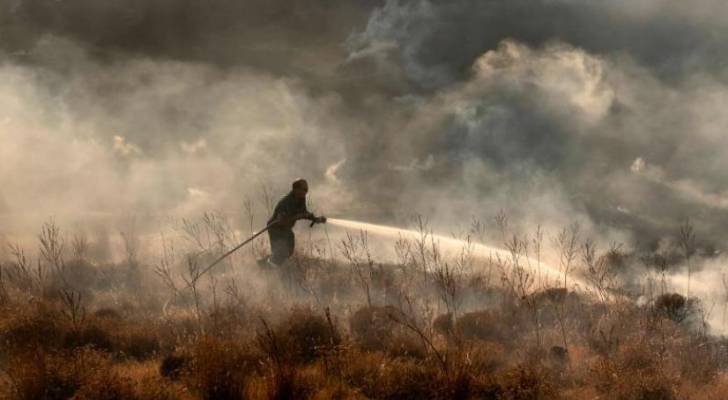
x: 479, y: 249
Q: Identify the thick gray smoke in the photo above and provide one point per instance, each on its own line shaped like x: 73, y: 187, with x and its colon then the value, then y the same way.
x: 609, y: 113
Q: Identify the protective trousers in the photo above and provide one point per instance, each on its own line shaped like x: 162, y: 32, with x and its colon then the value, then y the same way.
x: 282, y: 243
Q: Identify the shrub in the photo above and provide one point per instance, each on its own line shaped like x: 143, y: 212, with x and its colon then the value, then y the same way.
x: 700, y: 359
x: 635, y: 373
x: 284, y: 384
x: 172, y: 365
x: 33, y: 327
x: 36, y: 375
x: 405, y: 344
x: 105, y: 385
x: 219, y: 369
x: 404, y: 379
x: 525, y: 383
x: 444, y: 325
x: 372, y: 327
x: 306, y: 336
x: 485, y: 357
x: 675, y: 307
x: 375, y: 328
x: 137, y: 343
x: 54, y: 375
x: 107, y: 314
x: 481, y: 325
x: 92, y: 335
x: 643, y: 385
x: 155, y: 388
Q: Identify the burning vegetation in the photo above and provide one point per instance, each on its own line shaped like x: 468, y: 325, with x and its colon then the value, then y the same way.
x: 336, y: 323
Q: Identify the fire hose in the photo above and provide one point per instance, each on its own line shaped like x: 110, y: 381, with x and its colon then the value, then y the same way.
x: 314, y: 221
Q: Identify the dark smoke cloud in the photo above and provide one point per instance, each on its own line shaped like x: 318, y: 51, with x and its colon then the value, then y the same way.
x: 439, y: 40
x: 271, y: 34
x: 605, y: 112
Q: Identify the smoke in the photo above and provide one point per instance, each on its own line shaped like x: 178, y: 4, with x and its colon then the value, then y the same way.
x: 608, y: 113
x: 155, y: 137
x: 436, y: 41
x: 545, y: 105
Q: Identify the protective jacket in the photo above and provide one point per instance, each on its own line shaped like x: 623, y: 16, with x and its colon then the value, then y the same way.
x: 288, y: 206
x: 282, y: 239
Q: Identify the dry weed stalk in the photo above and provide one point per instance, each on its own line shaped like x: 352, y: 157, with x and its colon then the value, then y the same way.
x: 131, y: 247
x: 501, y: 221
x: 686, y: 239
x: 163, y: 269
x: 407, y: 318
x: 209, y: 235
x: 234, y: 293
x: 3, y: 287
x: 448, y: 278
x: 403, y: 253
x: 79, y: 246
x: 304, y: 277
x: 567, y: 243
x: 521, y: 281
x: 73, y: 307
x: 257, y: 246
x: 283, y: 372
x: 266, y: 198
x: 51, y: 248
x: 422, y: 245
x: 724, y: 281
x: 215, y: 309
x: 355, y: 250
x: 537, y: 242
x: 22, y: 274
x: 192, y: 276
x: 447, y: 283
x: 477, y: 235
x: 598, y: 271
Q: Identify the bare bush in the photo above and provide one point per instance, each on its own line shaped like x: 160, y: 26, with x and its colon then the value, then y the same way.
x: 517, y: 275
x: 73, y: 308
x: 210, y: 234
x: 79, y: 246
x: 355, y: 250
x: 407, y: 317
x: 51, y: 248
x: 600, y: 271
x: 567, y: 244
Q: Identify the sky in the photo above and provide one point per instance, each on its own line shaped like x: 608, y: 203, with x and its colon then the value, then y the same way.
x: 609, y: 113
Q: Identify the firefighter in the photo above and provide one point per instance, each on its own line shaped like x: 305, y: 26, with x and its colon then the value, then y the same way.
x: 291, y: 208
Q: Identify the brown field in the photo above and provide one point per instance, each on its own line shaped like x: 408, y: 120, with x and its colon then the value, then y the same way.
x: 430, y: 326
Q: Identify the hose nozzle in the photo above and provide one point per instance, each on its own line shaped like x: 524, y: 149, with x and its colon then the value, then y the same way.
x: 318, y: 220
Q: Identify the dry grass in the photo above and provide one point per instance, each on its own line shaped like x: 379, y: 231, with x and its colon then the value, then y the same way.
x: 89, y: 330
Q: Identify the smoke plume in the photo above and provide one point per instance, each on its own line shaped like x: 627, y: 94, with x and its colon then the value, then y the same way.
x: 609, y: 113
